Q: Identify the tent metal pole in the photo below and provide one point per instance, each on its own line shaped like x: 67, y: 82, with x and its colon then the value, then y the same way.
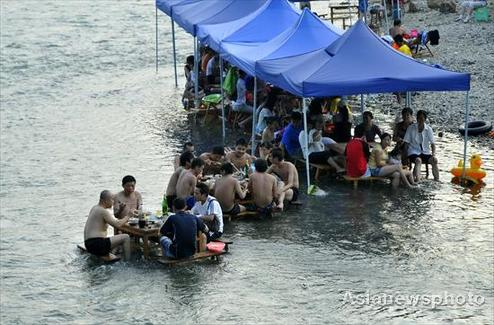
x: 196, y: 73
x: 466, y: 137
x: 362, y: 104
x: 156, y: 23
x: 223, y: 133
x: 307, y: 169
x: 174, y: 53
x: 386, y: 17
x: 254, y: 109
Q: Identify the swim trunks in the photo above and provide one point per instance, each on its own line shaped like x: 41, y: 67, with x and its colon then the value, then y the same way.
x: 98, y: 246
x: 234, y: 211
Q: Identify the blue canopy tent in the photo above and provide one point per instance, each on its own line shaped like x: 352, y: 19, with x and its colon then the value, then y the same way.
x: 306, y: 35
x: 245, y: 29
x: 379, y: 69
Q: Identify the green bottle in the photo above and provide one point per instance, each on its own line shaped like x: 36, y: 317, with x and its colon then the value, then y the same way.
x: 246, y: 168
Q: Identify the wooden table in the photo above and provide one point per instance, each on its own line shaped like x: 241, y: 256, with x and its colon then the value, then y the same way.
x: 343, y: 12
x: 144, y: 233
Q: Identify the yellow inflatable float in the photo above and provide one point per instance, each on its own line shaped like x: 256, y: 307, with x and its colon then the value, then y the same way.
x: 474, y: 173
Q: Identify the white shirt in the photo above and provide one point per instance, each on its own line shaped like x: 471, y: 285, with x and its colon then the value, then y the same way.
x: 419, y: 142
x: 314, y: 146
x: 210, y: 206
x: 210, y: 66
x: 261, y: 124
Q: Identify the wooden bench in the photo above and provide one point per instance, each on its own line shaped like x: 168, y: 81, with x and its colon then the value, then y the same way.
x: 245, y: 214
x: 318, y: 167
x: 355, y: 180
x: 343, y: 12
x: 198, y: 255
x: 110, y: 258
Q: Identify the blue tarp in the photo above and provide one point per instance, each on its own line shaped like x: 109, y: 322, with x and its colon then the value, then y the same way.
x: 167, y: 5
x: 188, y: 14
x: 308, y: 34
x: 274, y: 16
x: 360, y: 62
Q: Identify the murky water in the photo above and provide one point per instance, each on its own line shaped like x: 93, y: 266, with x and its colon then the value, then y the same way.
x: 81, y: 106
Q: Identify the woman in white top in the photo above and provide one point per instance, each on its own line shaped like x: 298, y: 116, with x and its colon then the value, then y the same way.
x: 316, y: 152
x: 266, y: 111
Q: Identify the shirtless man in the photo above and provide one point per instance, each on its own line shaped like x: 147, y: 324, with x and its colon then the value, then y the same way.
x: 171, y: 189
x: 213, y: 160
x: 95, y: 231
x: 225, y: 190
x: 188, y: 147
x: 128, y: 199
x: 239, y: 157
x: 263, y: 188
x: 187, y: 181
x: 287, y: 172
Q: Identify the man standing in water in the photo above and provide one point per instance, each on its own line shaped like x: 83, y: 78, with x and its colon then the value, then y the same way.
x: 128, y: 199
x: 95, y: 231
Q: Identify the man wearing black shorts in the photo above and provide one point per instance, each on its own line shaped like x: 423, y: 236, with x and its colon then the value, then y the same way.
x: 95, y: 231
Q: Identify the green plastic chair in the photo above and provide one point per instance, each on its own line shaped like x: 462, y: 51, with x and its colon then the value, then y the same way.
x: 481, y: 14
x: 212, y: 99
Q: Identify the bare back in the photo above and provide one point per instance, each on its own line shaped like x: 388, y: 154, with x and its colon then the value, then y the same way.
x: 262, y: 186
x: 225, y: 190
x: 97, y: 222
x: 171, y: 189
x: 186, y: 184
x: 287, y: 172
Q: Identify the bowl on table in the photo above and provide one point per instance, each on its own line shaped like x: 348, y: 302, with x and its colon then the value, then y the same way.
x: 133, y: 221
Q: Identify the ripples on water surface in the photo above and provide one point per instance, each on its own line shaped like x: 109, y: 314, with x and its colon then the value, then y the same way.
x: 81, y: 106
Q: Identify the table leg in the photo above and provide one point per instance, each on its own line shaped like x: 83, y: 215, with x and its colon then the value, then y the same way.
x: 145, y: 244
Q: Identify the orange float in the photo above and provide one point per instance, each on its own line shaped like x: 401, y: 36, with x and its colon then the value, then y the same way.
x: 474, y: 173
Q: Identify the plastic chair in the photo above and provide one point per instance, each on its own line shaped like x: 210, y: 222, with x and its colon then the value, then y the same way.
x: 481, y: 14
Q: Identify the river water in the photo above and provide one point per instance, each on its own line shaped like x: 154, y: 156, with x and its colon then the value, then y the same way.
x: 81, y: 106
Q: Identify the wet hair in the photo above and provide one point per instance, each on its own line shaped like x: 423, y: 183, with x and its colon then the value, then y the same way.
x: 385, y: 134
x: 422, y: 112
x: 261, y: 165
x: 203, y: 188
x: 190, y: 59
x: 196, y: 162
x: 218, y: 150
x: 227, y: 168
x: 397, y: 22
x: 188, y: 144
x: 296, y: 116
x: 104, y: 195
x: 128, y: 179
x: 369, y: 114
x: 179, y: 203
x: 406, y: 110
x: 398, y: 39
x: 241, y: 142
x: 185, y: 158
x: 277, y: 153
